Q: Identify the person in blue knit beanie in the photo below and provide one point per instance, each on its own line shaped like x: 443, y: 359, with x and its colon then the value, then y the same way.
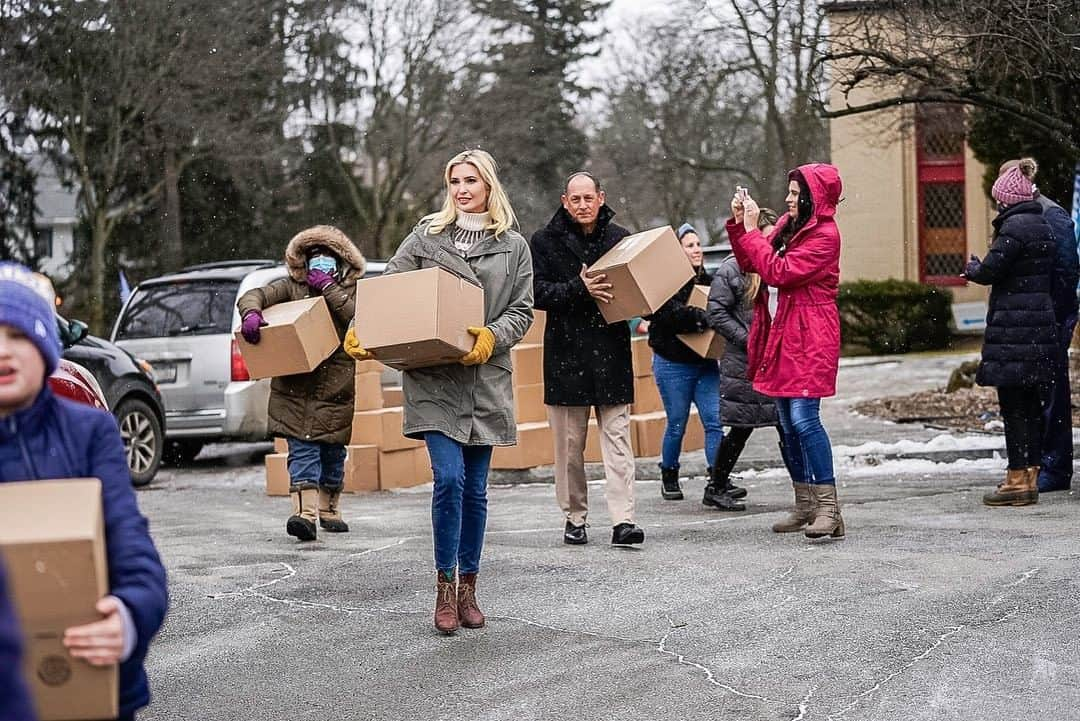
x: 45, y: 437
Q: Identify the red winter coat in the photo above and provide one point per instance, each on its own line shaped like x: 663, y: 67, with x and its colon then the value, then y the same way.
x: 796, y: 354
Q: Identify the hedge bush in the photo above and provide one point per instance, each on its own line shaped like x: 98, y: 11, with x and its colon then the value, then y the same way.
x: 894, y: 316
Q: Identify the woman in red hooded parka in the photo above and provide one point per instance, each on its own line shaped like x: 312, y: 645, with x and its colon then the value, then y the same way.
x: 794, y: 344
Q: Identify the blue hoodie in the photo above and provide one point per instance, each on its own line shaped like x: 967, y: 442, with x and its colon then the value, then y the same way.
x: 57, y: 438
x: 15, y: 702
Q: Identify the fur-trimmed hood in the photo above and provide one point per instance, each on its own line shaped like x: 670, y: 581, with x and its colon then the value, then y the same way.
x: 337, y: 242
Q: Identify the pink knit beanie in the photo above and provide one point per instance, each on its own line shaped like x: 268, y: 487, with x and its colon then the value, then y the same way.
x: 1014, y: 185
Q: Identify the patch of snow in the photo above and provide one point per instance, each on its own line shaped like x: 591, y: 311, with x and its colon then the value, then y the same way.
x: 941, y: 442
x: 859, y: 468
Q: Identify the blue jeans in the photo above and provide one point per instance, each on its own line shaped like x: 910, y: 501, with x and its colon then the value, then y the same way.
x: 807, y: 451
x: 319, y: 463
x: 458, y: 503
x: 679, y: 384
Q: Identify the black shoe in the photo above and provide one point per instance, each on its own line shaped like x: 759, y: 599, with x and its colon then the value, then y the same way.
x: 721, y: 500
x: 626, y: 534
x: 575, y: 535
x: 301, y: 527
x: 736, y: 491
x: 669, y: 489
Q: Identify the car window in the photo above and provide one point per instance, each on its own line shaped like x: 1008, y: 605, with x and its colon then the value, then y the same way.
x: 185, y: 308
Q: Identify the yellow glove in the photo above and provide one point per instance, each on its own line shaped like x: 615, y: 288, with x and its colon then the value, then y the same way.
x: 482, y: 348
x: 352, y: 346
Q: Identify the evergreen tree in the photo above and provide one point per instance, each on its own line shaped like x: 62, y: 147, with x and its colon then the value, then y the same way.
x: 527, y: 107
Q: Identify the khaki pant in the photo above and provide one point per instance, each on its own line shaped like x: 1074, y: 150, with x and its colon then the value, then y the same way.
x: 569, y: 427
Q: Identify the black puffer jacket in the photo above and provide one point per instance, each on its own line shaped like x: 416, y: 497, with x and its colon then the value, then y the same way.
x: 729, y: 315
x: 1021, y: 336
x: 586, y: 361
x: 676, y: 317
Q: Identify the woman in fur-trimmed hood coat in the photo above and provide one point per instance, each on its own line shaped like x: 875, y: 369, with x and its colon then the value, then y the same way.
x: 315, y: 406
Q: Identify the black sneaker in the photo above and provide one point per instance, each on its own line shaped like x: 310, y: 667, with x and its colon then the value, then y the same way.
x: 575, y: 535
x: 627, y: 534
x: 721, y: 499
x: 736, y: 491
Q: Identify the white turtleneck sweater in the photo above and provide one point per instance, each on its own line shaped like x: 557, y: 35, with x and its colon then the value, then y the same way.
x: 469, y: 228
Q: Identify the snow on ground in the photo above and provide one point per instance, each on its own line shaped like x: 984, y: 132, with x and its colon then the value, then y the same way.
x: 899, y: 468
x: 942, y: 442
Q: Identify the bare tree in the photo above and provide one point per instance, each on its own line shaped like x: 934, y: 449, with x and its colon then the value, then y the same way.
x: 383, y: 101
x: 1014, y: 57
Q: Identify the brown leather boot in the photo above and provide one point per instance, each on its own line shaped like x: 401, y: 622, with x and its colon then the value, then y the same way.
x: 1020, y: 488
x: 827, y: 518
x: 305, y: 499
x: 803, y: 513
x: 330, y: 511
x: 469, y: 613
x: 446, y: 604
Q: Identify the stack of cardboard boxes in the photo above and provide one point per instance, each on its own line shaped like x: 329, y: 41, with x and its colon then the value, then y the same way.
x: 535, y: 446
x: 378, y: 456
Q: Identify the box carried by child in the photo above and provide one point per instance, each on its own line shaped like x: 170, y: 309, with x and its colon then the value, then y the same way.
x: 299, y: 335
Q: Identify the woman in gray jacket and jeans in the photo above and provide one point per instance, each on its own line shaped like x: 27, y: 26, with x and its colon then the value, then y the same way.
x: 461, y: 410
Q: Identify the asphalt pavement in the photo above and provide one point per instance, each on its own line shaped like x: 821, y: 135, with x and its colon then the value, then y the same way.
x: 933, y: 607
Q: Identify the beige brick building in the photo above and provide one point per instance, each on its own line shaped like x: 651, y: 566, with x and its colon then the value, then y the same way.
x: 914, y: 205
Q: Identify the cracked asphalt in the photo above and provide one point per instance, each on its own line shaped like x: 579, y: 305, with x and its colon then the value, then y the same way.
x: 934, y: 607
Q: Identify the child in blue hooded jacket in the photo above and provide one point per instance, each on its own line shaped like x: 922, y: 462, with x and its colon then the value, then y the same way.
x: 46, y: 437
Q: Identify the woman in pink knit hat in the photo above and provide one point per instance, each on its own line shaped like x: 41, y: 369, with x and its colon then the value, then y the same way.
x: 1021, y: 334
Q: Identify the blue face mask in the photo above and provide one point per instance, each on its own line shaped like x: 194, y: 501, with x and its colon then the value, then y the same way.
x: 322, y: 262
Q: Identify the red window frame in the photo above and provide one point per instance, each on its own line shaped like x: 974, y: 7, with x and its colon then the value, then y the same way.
x: 931, y: 171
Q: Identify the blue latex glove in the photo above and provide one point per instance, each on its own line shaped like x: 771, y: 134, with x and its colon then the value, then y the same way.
x: 319, y: 279
x: 249, y: 327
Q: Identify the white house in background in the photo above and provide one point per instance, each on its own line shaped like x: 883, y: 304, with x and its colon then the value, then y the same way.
x: 54, y: 222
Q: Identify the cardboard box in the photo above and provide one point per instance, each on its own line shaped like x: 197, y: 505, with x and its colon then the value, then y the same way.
x: 52, y: 540
x: 299, y: 336
x: 419, y: 318
x: 392, y: 396
x: 593, y: 451
x: 277, y: 474
x: 528, y: 363
x: 534, y: 448
x: 369, y: 366
x: 646, y: 396
x: 647, y: 433
x: 641, y: 356
x: 380, y: 428
x: 708, y: 343
x: 535, y: 334
x: 645, y: 270
x: 281, y: 445
x: 529, y: 404
x: 368, y: 392
x: 361, y: 469
x: 404, y: 469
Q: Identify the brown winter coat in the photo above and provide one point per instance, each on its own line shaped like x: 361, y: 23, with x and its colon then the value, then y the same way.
x: 315, y: 406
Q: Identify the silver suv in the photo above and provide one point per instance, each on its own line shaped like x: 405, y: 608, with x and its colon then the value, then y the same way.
x: 183, y: 325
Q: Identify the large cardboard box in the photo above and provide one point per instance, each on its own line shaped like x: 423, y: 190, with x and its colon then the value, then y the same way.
x: 281, y: 445
x: 646, y: 396
x: 645, y: 270
x: 392, y: 396
x: 361, y: 469
x: 647, y: 433
x: 277, y: 474
x: 419, y: 318
x: 534, y: 448
x: 381, y: 428
x: 708, y: 343
x: 52, y: 540
x: 404, y: 469
x: 299, y: 336
x: 535, y: 334
x: 641, y: 356
x: 528, y: 363
x: 369, y: 366
x: 369, y: 395
x: 529, y: 403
